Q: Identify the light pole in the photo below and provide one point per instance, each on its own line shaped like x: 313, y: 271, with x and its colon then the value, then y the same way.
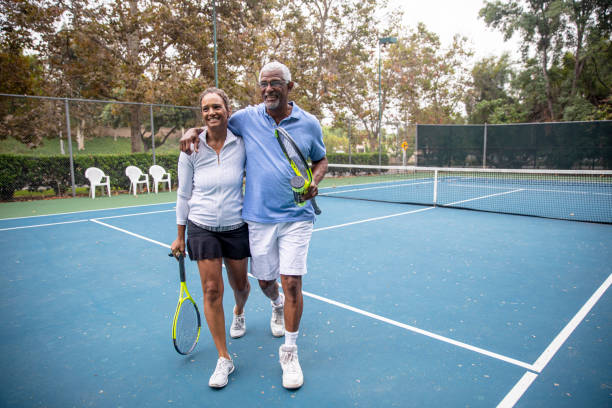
x: 215, y: 40
x: 384, y: 40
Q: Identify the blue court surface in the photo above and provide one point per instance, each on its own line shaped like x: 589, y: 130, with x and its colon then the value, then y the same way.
x: 405, y: 306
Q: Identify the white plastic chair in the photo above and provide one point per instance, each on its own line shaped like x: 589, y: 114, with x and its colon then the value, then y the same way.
x: 136, y: 177
x: 96, y: 178
x: 160, y: 175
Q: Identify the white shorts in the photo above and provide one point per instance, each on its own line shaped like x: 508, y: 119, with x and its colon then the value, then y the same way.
x: 279, y: 249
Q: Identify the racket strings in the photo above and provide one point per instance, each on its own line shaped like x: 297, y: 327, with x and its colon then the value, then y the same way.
x: 295, y: 156
x: 187, y: 327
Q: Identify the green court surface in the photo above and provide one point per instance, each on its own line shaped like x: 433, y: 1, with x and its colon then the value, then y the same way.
x: 17, y: 209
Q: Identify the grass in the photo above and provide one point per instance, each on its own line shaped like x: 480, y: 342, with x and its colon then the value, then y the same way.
x: 98, y: 145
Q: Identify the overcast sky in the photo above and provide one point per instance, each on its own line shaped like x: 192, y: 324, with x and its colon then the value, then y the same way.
x: 449, y: 17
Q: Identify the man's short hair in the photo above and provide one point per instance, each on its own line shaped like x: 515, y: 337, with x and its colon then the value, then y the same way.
x: 275, y: 65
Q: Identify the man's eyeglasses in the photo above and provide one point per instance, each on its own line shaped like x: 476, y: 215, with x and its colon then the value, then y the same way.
x: 273, y: 84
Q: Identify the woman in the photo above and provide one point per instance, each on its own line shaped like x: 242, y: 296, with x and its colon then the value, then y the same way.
x: 209, y: 202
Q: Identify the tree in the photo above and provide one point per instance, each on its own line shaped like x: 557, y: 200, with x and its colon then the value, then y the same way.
x: 539, y: 23
x: 491, y: 82
x: 567, y: 36
x: 324, y: 43
x: 430, y: 82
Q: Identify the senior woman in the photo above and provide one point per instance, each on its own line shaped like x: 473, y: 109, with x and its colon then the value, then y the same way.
x: 209, y: 207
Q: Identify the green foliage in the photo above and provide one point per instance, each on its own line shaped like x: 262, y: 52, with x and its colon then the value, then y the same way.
x: 96, y: 145
x: 357, y: 158
x: 21, y: 172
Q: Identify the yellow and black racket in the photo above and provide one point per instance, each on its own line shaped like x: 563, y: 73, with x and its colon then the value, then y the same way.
x: 187, y: 322
x: 303, y: 175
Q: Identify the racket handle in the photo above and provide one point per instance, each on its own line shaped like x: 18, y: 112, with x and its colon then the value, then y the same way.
x: 317, y: 210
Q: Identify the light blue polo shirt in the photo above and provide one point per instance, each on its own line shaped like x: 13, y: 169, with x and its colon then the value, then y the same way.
x: 268, y: 197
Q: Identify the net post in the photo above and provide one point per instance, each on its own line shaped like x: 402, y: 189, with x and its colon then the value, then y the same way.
x: 435, y: 192
x: 484, y: 148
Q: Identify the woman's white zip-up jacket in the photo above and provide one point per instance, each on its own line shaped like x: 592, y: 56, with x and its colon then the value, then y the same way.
x: 210, y: 184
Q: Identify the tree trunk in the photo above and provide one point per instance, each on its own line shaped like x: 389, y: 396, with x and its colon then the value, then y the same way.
x: 549, y: 98
x: 135, y: 128
x: 80, y: 136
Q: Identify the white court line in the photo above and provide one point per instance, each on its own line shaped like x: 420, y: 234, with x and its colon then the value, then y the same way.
x: 527, y: 379
x: 371, y: 315
x: 518, y: 390
x: 86, y: 220
x: 131, y: 215
x: 525, y: 382
x: 373, y: 219
x: 564, y: 334
x: 423, y: 332
x: 391, y: 186
x: 483, y: 197
x: 130, y: 233
x: 84, y: 211
x: 42, y: 225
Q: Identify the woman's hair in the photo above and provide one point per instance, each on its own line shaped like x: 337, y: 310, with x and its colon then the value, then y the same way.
x: 270, y: 66
x: 216, y: 91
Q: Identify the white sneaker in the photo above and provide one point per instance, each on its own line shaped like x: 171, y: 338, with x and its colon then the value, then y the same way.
x: 292, y: 372
x: 238, y: 327
x: 224, y: 368
x: 277, y: 322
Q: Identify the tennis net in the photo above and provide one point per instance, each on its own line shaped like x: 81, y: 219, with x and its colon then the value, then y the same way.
x: 580, y: 195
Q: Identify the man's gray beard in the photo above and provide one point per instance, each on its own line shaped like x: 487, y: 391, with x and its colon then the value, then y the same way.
x: 272, y: 105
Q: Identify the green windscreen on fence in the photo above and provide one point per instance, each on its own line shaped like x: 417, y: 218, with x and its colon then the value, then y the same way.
x: 562, y: 145
x: 450, y: 145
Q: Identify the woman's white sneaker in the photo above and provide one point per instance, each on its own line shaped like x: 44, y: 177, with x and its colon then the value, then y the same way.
x: 224, y: 368
x: 277, y: 321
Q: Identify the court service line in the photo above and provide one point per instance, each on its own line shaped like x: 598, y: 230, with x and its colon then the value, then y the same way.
x: 130, y: 233
x: 42, y: 225
x: 325, y: 192
x: 423, y: 332
x: 131, y: 215
x: 483, y: 197
x: 373, y: 219
x: 368, y: 314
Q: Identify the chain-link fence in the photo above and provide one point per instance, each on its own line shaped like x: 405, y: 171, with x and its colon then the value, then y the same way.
x: 351, y: 143
x: 72, y: 129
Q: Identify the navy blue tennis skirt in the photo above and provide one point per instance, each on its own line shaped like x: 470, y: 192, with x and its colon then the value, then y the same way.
x: 205, y: 244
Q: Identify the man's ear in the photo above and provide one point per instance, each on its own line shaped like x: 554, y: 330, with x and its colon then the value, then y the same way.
x: 290, y: 85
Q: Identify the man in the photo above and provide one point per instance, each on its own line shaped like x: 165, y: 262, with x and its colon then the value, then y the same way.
x: 279, y: 230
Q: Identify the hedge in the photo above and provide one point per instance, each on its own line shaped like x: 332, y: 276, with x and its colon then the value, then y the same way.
x: 19, y: 172
x: 25, y: 172
x: 357, y: 158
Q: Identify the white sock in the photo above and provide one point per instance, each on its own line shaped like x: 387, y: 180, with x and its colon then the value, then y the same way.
x: 279, y: 301
x: 291, y: 338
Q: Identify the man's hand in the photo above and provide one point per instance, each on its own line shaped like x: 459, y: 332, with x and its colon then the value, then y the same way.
x: 319, y: 168
x: 312, y: 191
x: 190, y: 138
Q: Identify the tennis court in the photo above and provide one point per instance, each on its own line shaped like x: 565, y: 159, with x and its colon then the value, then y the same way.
x: 405, y: 305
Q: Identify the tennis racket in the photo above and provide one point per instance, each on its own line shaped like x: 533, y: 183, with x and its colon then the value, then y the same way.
x: 303, y: 176
x: 187, y: 323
